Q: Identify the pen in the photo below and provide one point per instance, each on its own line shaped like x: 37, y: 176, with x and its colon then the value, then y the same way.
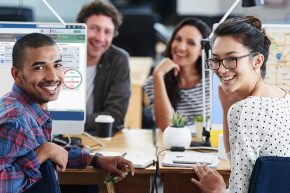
x: 115, y: 178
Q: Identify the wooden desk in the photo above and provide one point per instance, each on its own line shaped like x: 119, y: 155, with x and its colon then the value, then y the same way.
x: 175, y: 180
x: 178, y: 180
x: 129, y: 140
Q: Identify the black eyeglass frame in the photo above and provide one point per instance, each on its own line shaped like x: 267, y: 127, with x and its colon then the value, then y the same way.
x: 232, y: 58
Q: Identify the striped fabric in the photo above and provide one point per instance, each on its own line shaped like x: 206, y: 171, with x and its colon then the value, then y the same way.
x: 190, y: 103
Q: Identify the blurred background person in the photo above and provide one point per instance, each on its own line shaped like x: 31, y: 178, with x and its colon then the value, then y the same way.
x: 176, y: 83
x: 108, y: 73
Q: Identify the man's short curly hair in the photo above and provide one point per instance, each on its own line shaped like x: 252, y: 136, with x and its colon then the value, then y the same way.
x: 100, y: 8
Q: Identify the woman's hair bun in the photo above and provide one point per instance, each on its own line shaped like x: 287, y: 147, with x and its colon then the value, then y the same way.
x: 253, y: 21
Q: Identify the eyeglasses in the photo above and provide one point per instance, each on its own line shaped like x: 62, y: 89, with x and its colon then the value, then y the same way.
x: 228, y: 63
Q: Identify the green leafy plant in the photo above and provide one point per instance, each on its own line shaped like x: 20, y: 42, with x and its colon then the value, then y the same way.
x: 200, y: 118
x: 178, y: 120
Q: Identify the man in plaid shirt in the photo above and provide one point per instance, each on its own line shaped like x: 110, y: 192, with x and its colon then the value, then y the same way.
x: 25, y: 123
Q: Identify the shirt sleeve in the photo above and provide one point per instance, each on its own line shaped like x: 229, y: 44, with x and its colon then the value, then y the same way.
x: 149, y: 90
x: 244, y: 144
x: 19, y: 165
x: 78, y: 157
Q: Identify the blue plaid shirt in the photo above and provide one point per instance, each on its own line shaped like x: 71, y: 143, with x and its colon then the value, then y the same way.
x: 23, y: 127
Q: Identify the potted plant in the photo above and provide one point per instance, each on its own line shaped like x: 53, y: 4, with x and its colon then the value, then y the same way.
x: 177, y: 135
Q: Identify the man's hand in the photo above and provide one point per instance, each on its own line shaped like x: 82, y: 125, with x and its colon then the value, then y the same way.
x: 115, y: 165
x: 210, y: 181
x: 54, y: 152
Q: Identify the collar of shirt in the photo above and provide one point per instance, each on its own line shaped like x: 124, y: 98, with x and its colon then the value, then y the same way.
x: 41, y: 116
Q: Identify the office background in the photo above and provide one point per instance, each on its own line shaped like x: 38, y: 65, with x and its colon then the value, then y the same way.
x: 150, y: 12
x: 272, y: 11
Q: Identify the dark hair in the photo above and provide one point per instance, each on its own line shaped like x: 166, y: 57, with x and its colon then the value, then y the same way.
x: 247, y: 30
x: 100, y: 8
x: 170, y: 79
x: 33, y: 40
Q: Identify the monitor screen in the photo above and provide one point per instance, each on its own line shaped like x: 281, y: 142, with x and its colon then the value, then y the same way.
x: 68, y: 111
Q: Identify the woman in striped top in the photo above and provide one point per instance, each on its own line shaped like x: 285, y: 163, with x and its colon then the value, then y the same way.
x: 175, y: 85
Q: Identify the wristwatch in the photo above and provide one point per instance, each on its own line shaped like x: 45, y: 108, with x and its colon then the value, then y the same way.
x: 94, y: 160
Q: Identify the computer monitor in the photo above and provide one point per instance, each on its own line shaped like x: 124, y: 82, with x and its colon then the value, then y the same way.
x: 68, y: 110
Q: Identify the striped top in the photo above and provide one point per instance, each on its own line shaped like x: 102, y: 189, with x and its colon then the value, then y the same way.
x: 190, y: 103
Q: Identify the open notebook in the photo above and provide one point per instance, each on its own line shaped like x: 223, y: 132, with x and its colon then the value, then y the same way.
x: 188, y: 159
x: 138, y: 159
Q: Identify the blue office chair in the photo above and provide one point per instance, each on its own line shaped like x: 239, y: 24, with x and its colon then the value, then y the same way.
x: 271, y: 174
x: 48, y: 183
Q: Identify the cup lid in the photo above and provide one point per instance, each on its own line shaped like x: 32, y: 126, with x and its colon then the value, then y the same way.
x: 104, y: 119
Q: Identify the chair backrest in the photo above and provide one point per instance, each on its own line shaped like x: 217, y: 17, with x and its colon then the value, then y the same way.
x: 48, y: 182
x: 16, y: 14
x: 271, y: 174
x: 137, y: 34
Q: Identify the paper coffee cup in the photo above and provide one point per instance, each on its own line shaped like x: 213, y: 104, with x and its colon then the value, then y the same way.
x: 104, y: 126
x: 104, y: 119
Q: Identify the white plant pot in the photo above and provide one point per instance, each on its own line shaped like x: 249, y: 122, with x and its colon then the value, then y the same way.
x: 180, y: 137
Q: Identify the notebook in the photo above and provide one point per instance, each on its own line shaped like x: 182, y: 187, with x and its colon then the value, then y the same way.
x: 189, y: 159
x: 138, y: 159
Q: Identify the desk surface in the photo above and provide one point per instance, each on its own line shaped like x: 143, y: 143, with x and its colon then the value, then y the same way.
x: 128, y: 140
x: 135, y: 140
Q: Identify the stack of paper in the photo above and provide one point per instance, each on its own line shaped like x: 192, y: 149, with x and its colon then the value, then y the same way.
x: 189, y: 159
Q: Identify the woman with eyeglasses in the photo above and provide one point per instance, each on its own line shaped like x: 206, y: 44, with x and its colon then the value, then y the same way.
x: 175, y: 85
x: 256, y: 115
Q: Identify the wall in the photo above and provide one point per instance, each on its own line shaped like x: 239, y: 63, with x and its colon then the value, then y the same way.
x: 195, y: 7
x: 266, y: 13
x: 219, y: 7
x: 43, y: 14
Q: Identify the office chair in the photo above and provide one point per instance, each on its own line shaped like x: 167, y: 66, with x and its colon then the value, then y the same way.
x: 16, y: 14
x: 270, y: 175
x: 48, y: 182
x: 137, y: 34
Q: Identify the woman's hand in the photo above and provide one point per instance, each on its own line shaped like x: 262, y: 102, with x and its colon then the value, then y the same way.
x: 165, y: 66
x: 227, y: 99
x: 210, y: 181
